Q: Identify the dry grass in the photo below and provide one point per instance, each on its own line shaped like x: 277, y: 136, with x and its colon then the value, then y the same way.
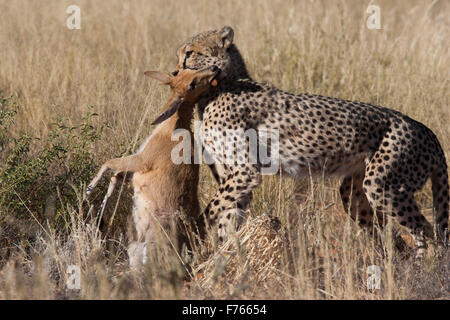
x: 319, y: 47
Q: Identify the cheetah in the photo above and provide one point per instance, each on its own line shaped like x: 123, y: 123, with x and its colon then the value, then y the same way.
x: 383, y: 156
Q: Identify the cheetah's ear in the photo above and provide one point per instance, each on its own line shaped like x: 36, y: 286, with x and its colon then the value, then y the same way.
x: 226, y: 35
x: 162, y: 77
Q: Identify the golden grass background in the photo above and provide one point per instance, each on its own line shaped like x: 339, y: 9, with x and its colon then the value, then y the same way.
x: 320, y: 47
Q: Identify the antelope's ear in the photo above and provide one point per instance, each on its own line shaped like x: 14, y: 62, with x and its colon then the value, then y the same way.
x: 160, y: 76
x: 169, y: 112
x: 226, y: 35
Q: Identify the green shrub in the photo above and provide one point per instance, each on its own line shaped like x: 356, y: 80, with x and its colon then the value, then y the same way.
x: 35, y: 173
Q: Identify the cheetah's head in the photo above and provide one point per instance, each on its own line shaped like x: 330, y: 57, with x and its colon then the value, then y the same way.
x: 207, y: 49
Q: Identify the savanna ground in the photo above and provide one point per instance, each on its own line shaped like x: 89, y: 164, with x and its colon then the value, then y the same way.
x: 71, y: 99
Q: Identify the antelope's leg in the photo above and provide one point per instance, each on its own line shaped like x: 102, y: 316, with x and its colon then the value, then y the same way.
x: 131, y: 163
x: 96, y: 179
x: 112, y: 185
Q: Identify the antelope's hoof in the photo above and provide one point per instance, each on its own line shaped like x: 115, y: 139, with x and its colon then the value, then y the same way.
x: 89, y: 190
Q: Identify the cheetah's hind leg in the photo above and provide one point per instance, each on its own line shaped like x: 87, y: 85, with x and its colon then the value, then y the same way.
x: 390, y: 190
x: 356, y: 204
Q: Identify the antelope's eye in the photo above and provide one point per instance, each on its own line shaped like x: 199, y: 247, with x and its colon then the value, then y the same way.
x: 192, y: 85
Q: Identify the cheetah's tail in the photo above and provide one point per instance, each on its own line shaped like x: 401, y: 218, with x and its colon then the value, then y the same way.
x: 441, y: 199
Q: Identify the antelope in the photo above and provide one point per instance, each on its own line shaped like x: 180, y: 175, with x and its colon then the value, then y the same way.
x: 161, y: 187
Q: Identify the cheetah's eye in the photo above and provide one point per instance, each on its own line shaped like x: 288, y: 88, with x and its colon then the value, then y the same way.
x: 186, y: 57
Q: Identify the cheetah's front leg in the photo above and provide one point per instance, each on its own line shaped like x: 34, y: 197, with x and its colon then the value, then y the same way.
x: 231, y: 200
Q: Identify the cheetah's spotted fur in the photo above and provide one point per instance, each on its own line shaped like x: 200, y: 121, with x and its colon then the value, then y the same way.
x: 383, y: 156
